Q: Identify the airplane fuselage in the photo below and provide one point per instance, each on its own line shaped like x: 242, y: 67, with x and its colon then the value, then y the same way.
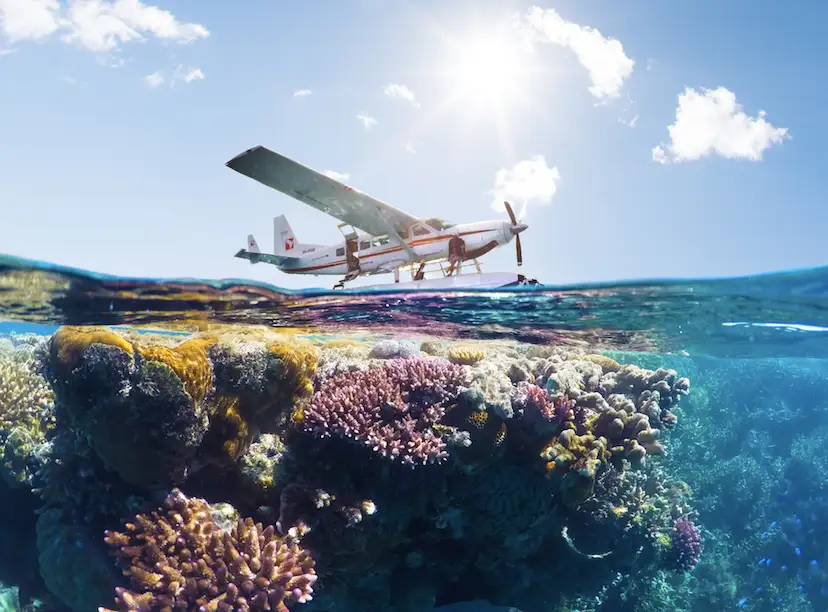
x: 367, y: 255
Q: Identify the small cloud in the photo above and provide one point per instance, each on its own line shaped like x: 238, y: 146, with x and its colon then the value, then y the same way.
x: 302, y: 93
x: 7, y: 51
x: 712, y: 122
x: 337, y: 176
x: 193, y: 74
x: 367, y: 121
x: 396, y: 91
x: 410, y: 148
x: 650, y: 64
x: 603, y: 58
x: 529, y: 182
x: 156, y: 79
x: 631, y: 122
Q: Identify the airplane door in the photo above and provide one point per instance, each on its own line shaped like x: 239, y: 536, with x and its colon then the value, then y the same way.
x: 351, y: 247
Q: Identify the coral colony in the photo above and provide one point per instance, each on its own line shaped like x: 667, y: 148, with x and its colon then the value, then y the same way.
x: 242, y: 469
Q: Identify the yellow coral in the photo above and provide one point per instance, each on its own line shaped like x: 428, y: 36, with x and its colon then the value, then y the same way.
x: 300, y: 364
x: 608, y: 364
x: 189, y: 362
x: 466, y: 355
x: 479, y: 418
x: 69, y: 343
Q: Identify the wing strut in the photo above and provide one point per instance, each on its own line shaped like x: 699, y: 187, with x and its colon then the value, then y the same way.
x: 393, y: 233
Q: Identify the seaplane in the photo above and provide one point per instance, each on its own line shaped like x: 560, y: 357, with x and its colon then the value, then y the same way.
x: 377, y: 238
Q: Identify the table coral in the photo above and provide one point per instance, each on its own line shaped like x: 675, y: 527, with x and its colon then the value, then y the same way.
x: 177, y: 558
x: 391, y: 408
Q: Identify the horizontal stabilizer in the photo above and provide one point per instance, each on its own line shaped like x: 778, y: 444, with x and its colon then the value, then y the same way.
x: 276, y: 260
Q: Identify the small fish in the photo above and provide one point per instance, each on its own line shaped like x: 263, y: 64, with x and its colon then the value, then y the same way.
x: 758, y: 590
x: 784, y: 567
x: 766, y: 535
x: 814, y: 563
x: 742, y: 602
x: 762, y: 561
x: 798, y: 551
x: 773, y: 524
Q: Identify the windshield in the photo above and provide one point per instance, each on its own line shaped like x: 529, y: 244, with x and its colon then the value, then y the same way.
x: 438, y: 224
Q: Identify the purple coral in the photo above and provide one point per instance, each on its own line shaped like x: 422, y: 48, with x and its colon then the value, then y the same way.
x: 391, y: 408
x: 686, y: 544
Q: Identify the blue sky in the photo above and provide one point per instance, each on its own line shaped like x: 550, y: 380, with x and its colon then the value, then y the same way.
x: 102, y: 170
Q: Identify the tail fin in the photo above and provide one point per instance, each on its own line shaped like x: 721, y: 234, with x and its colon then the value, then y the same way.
x: 284, y: 240
x: 252, y: 245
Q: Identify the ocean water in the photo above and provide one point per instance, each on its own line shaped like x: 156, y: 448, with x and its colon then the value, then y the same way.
x: 185, y: 444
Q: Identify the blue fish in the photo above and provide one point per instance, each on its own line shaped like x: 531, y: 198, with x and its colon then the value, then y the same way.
x: 798, y: 551
x: 742, y: 602
x: 784, y: 567
x: 773, y: 524
x: 758, y: 590
x: 766, y: 535
x: 814, y: 563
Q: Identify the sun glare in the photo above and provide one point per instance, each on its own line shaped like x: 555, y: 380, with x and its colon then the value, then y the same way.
x: 489, y: 73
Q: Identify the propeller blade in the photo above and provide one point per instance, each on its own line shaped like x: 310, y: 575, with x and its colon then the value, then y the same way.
x: 519, y: 250
x: 509, y: 210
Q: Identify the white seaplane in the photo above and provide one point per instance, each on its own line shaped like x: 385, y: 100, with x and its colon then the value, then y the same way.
x: 378, y: 238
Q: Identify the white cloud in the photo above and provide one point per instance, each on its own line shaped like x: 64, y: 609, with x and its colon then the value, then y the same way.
x: 181, y: 73
x: 302, y: 93
x: 98, y: 25
x: 603, y: 58
x: 28, y: 19
x: 396, y: 91
x: 155, y: 79
x: 367, y: 121
x: 188, y: 75
x: 529, y: 182
x: 337, y: 176
x: 410, y: 148
x: 711, y: 122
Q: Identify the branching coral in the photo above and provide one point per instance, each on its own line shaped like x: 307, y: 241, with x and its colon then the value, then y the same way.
x: 179, y: 559
x: 26, y: 415
x: 392, y: 408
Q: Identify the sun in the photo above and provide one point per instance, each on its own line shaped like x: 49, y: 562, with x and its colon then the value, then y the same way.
x: 489, y: 73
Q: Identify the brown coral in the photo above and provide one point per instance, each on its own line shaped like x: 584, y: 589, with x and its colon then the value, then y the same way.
x: 177, y: 558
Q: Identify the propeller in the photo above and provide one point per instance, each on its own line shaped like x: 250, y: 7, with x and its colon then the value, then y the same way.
x: 516, y: 228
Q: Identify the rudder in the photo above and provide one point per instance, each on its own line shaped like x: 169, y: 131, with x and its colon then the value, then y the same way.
x: 284, y: 240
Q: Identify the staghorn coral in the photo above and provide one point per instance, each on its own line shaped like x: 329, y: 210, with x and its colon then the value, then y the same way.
x: 178, y: 558
x: 391, y: 408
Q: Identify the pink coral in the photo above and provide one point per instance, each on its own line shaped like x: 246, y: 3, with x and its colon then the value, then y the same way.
x: 686, y: 544
x: 392, y: 408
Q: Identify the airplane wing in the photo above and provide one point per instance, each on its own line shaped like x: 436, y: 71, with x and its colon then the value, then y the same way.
x: 345, y: 203
x: 276, y: 260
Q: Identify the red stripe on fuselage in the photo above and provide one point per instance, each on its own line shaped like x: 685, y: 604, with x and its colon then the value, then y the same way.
x: 413, y: 243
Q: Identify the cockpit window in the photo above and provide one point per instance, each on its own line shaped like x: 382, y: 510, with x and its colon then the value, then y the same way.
x: 438, y: 224
x: 419, y: 230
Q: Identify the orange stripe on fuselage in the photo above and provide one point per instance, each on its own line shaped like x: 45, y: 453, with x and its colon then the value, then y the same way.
x: 413, y: 243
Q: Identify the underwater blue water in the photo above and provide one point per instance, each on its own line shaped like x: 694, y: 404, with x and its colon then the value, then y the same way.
x: 751, y: 441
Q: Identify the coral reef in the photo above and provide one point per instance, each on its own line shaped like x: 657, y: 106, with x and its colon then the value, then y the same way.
x: 404, y: 475
x: 177, y: 558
